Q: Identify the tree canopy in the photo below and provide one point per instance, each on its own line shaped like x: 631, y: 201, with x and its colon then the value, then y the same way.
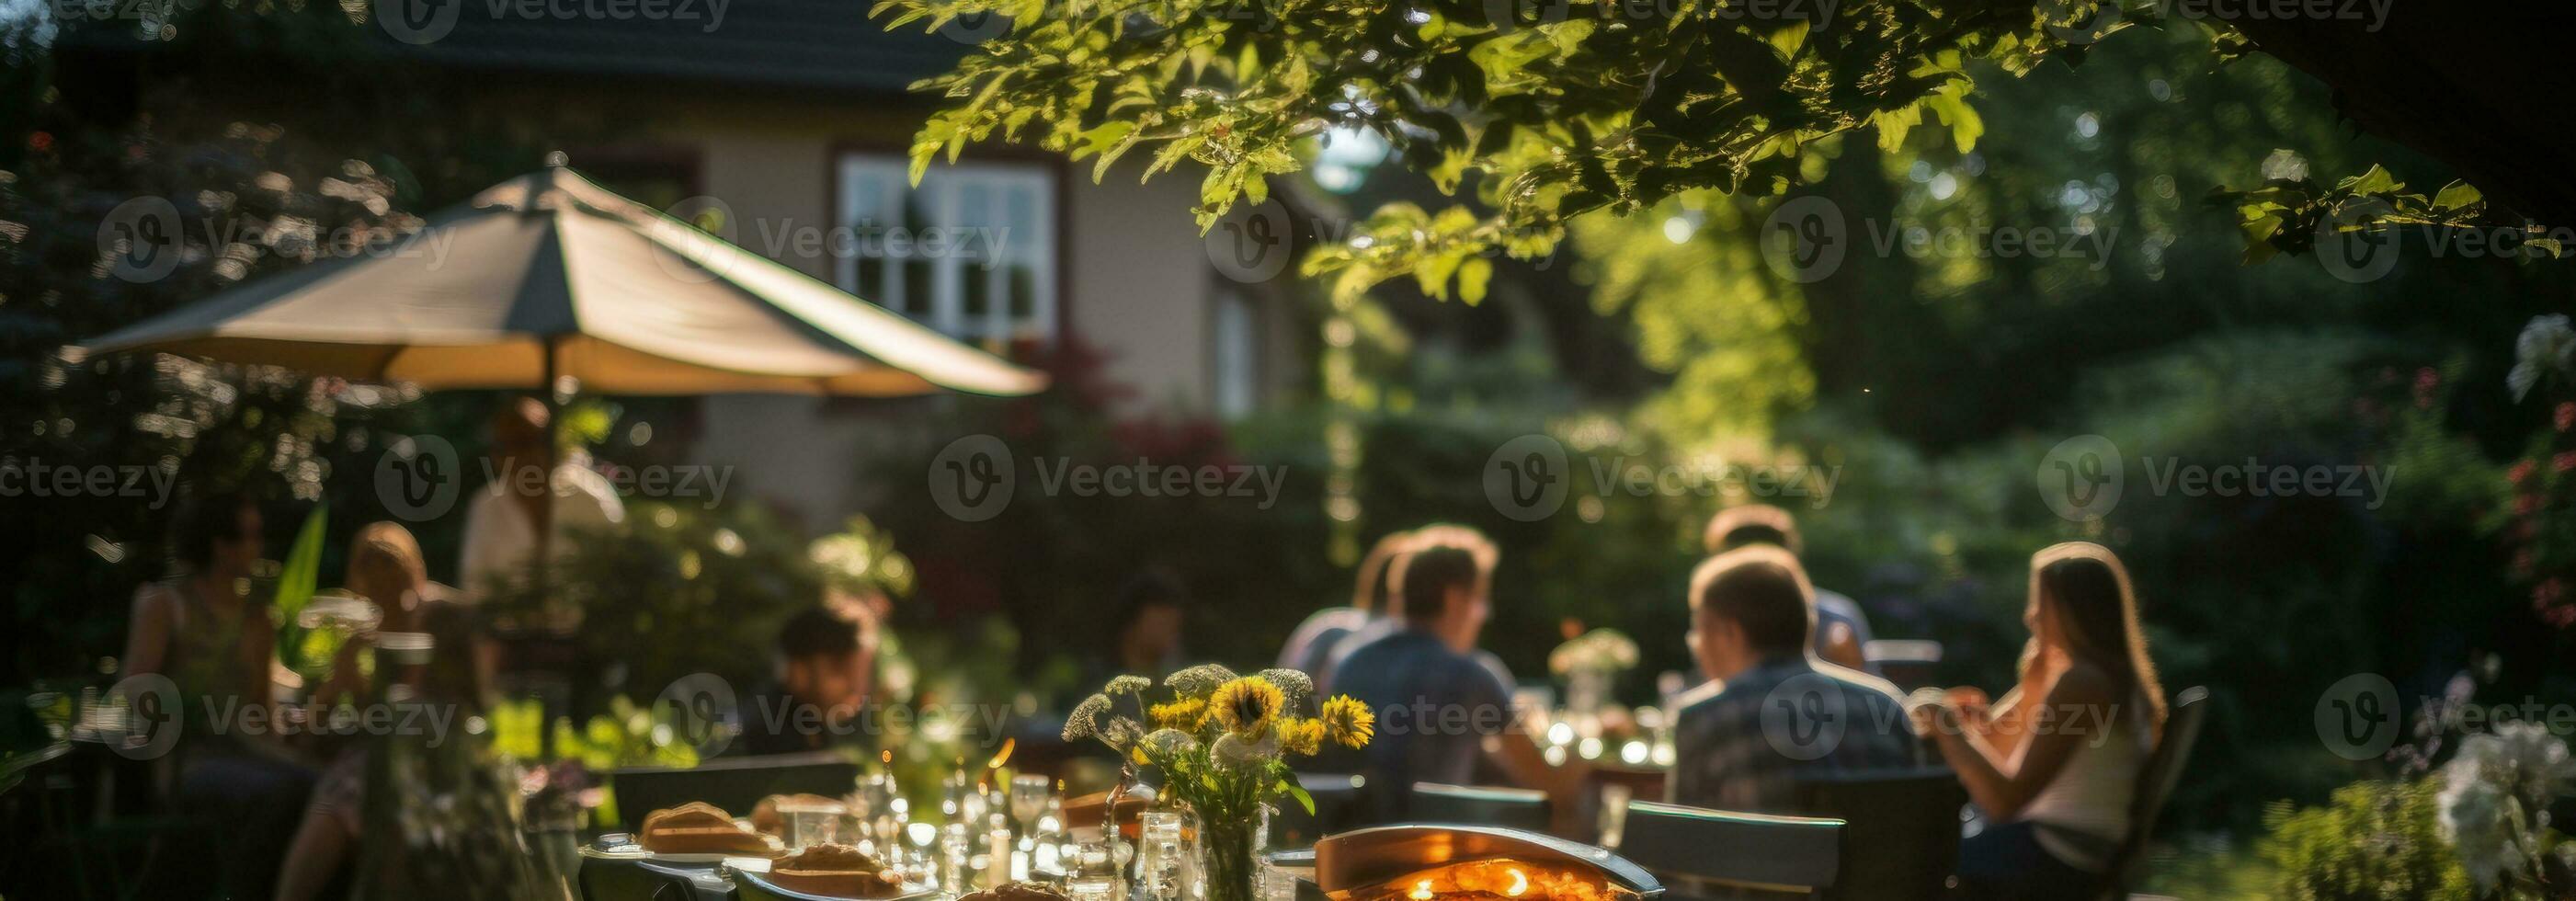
x: 1543, y: 110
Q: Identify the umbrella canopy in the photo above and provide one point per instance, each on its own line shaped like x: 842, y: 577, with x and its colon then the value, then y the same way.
x: 549, y: 275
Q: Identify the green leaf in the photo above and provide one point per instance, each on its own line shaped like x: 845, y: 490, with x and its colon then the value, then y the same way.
x: 2457, y: 195
x: 1472, y: 277
x: 295, y: 582
x: 1289, y: 784
x: 2375, y: 180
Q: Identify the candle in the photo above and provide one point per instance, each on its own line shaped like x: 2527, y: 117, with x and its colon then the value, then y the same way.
x: 998, y: 870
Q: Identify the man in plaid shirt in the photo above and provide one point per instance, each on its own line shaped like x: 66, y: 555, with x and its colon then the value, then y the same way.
x: 1770, y: 713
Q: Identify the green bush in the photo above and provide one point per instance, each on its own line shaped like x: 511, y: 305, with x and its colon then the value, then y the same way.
x: 2376, y: 840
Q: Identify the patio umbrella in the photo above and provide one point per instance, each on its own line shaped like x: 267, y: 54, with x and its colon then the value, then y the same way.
x: 550, y: 275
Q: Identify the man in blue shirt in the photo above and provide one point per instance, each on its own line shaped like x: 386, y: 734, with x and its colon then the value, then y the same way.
x: 1842, y: 629
x: 1770, y: 713
x: 1438, y: 709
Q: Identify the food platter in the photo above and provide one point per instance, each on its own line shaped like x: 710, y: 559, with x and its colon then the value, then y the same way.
x: 1363, y: 864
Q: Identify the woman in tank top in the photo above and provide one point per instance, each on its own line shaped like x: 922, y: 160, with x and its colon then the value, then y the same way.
x: 2055, y: 765
x: 216, y: 642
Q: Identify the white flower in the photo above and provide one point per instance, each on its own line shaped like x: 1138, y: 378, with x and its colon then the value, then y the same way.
x: 1198, y: 681
x: 1084, y: 721
x: 1121, y: 733
x: 2472, y: 820
x: 2546, y: 342
x: 1601, y: 650
x: 1168, y: 744
x: 2489, y: 786
x: 1295, y: 685
x: 1235, y: 752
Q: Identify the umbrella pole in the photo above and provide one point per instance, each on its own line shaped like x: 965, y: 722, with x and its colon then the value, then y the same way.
x: 543, y: 573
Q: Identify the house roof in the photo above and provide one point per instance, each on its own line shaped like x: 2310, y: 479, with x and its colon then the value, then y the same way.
x: 811, y: 44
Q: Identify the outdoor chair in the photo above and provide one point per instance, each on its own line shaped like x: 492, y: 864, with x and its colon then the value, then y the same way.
x: 735, y: 784
x: 2156, y: 783
x: 1908, y: 820
x: 1513, y: 808
x: 1702, y: 853
x: 1906, y: 662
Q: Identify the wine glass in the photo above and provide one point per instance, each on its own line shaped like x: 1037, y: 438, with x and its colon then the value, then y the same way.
x: 1028, y: 800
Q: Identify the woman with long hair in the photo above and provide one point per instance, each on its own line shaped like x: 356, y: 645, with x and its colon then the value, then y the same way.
x: 2055, y: 765
x: 386, y: 568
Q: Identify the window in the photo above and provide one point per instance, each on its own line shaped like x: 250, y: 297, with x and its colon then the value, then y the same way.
x: 970, y: 252
x: 1235, y: 339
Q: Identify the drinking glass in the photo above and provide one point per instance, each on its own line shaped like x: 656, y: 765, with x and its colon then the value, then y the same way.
x: 1094, y: 874
x: 1166, y: 861
x: 1028, y: 800
x: 1614, y: 813
x: 811, y: 823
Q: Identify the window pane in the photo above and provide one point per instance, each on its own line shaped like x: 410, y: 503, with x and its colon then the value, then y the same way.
x: 979, y: 296
x: 1024, y: 289
x: 968, y: 251
x: 917, y: 288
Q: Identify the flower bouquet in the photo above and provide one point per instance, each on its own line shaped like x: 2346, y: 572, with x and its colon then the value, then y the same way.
x: 1222, y: 742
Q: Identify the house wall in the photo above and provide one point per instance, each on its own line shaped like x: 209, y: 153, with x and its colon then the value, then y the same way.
x: 1134, y: 282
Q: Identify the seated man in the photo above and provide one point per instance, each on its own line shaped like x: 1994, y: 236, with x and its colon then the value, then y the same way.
x: 1309, y: 648
x: 1770, y: 713
x: 1438, y: 709
x: 1391, y: 620
x: 1842, y: 630
x: 827, y: 666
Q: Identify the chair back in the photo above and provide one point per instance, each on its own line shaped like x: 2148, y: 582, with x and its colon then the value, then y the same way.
x: 1339, y: 804
x: 1908, y: 820
x: 1515, y: 808
x: 734, y: 783
x: 1910, y: 663
x: 2183, y: 719
x: 1693, y: 849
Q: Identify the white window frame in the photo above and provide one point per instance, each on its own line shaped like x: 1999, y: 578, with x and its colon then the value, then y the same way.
x: 873, y: 188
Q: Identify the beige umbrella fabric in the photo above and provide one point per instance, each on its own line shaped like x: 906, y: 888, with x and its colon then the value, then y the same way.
x: 624, y: 299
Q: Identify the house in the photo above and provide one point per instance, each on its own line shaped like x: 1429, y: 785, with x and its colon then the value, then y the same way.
x: 782, y: 126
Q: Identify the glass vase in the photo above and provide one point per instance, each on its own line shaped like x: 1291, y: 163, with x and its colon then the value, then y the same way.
x: 1230, y: 855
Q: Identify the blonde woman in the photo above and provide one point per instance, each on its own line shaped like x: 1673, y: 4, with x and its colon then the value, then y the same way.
x: 2056, y: 765
x: 385, y: 567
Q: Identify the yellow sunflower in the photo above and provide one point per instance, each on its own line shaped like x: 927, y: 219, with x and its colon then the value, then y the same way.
x: 1186, y: 714
x: 1347, y: 721
x: 1246, y: 706
x: 1301, y: 736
